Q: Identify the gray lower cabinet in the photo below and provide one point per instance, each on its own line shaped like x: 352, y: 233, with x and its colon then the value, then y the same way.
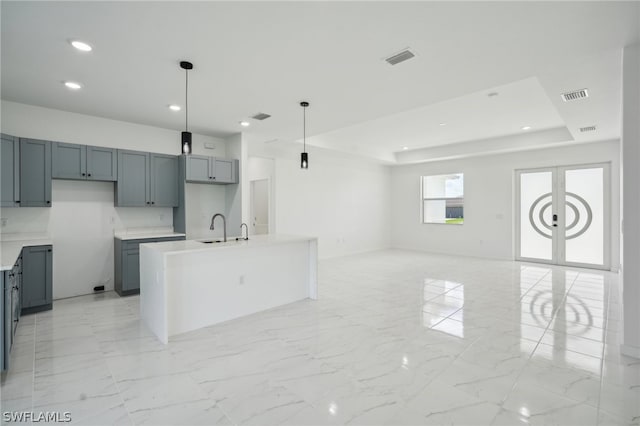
x: 146, y: 179
x: 10, y: 172
x: 35, y: 173
x: 202, y: 169
x: 10, y: 289
x: 83, y: 162
x: 37, y: 272
x: 127, y: 263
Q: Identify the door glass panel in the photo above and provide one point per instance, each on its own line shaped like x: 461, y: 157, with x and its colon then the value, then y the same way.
x: 584, y: 212
x: 536, y: 195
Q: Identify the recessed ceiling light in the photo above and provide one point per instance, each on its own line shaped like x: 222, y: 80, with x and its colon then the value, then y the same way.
x: 175, y: 107
x: 245, y: 123
x: 73, y: 85
x: 405, y: 148
x: 82, y: 46
x: 526, y: 128
x: 443, y: 124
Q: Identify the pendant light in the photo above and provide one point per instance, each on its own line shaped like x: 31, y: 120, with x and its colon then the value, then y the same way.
x: 186, y: 135
x: 304, y: 157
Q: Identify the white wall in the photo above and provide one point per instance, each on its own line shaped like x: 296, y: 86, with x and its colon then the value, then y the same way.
x: 79, y: 221
x: 488, y: 200
x: 631, y: 199
x: 341, y: 199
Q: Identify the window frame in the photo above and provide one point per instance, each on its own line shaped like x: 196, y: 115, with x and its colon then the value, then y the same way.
x: 423, y: 199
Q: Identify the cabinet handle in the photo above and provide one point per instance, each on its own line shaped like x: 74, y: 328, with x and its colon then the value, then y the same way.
x: 17, y: 201
x: 49, y: 250
x: 214, y: 178
x: 83, y: 174
x: 89, y: 174
x: 147, y: 202
x: 153, y: 202
x: 48, y: 202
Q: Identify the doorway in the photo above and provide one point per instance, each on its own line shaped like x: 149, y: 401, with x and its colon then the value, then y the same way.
x: 260, y: 206
x: 563, y: 215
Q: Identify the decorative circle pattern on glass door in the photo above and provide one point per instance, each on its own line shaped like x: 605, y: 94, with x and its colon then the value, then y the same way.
x: 576, y: 203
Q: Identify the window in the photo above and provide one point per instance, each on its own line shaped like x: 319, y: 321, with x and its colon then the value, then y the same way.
x: 443, y: 199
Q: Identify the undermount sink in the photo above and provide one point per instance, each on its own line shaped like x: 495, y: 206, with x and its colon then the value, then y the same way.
x: 230, y: 240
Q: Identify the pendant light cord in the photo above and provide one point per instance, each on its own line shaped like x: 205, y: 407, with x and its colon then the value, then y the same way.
x: 304, y: 129
x: 186, y: 100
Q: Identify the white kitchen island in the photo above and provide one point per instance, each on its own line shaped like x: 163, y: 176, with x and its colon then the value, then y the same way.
x: 187, y: 285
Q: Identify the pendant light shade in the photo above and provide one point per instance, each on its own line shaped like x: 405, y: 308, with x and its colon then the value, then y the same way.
x: 185, y: 141
x: 304, y: 156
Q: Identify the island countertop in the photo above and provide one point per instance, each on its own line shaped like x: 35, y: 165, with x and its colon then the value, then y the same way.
x: 186, y: 246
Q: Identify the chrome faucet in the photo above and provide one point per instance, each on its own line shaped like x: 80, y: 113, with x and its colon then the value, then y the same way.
x: 224, y: 224
x: 247, y: 228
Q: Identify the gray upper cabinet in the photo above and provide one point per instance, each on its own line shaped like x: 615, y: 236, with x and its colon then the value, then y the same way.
x: 72, y: 161
x: 201, y: 169
x: 37, y: 269
x: 224, y: 171
x: 68, y: 161
x: 132, y: 187
x: 146, y: 179
x: 102, y: 163
x: 198, y: 168
x: 35, y: 173
x: 10, y: 172
x: 164, y: 180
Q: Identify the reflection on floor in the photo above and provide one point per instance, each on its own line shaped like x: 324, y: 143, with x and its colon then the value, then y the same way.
x: 397, y: 337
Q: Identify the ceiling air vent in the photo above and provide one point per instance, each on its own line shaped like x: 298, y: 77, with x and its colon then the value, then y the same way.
x: 400, y: 57
x: 261, y: 116
x: 587, y: 129
x: 575, y: 95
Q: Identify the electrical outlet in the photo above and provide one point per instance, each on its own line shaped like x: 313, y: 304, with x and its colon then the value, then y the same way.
x: 3, y: 222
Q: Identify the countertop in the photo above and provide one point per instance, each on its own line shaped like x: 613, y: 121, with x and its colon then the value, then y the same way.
x: 141, y: 235
x: 10, y: 250
x: 186, y: 246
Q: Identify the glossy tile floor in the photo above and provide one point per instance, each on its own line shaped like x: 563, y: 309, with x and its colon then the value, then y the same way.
x: 397, y: 337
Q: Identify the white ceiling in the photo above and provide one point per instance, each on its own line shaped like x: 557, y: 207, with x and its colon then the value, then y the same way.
x: 254, y: 57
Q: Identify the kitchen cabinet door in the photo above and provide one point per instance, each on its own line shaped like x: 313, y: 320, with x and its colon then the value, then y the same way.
x: 164, y: 180
x: 132, y: 187
x: 131, y: 270
x: 224, y: 171
x: 10, y: 172
x: 35, y: 173
x: 102, y: 164
x: 68, y: 161
x: 199, y: 169
x: 37, y: 273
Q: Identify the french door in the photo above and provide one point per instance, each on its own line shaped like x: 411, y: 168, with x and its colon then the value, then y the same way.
x: 563, y: 215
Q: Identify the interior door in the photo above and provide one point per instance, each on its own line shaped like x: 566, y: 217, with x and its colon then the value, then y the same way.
x: 260, y: 206
x: 563, y: 215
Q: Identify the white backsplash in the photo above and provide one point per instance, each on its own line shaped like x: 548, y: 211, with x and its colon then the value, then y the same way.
x: 81, y: 222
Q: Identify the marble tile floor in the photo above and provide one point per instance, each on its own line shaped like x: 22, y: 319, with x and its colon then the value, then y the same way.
x: 396, y: 338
